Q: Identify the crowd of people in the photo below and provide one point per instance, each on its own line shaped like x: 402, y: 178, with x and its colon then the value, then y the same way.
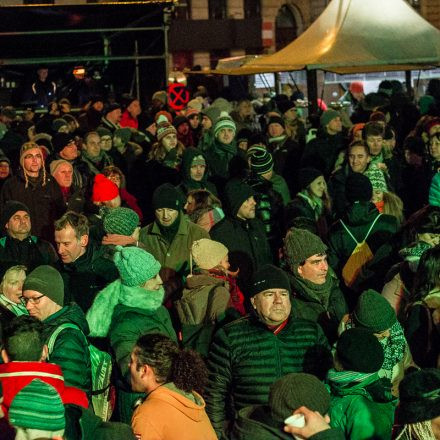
x: 234, y: 262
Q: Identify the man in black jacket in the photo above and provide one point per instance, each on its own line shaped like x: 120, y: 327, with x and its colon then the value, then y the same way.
x: 18, y: 246
x: 241, y: 232
x: 84, y: 267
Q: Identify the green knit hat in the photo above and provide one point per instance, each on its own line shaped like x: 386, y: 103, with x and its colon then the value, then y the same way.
x: 301, y: 244
x: 295, y: 390
x: 328, y: 116
x: 135, y: 265
x: 374, y: 312
x: 224, y: 121
x: 48, y: 281
x: 377, y: 178
x: 38, y: 406
x: 122, y: 221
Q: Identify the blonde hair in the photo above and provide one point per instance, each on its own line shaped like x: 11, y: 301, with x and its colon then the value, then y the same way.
x: 10, y: 271
x: 26, y: 147
x: 417, y: 431
x: 393, y: 205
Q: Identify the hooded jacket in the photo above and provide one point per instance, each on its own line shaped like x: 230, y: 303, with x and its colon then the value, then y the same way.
x: 71, y: 351
x: 45, y: 202
x: 188, y: 184
x: 169, y: 415
x: 14, y: 376
x: 124, y: 314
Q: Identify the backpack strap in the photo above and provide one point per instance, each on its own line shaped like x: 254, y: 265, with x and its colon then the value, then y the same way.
x: 368, y: 233
x: 372, y: 226
x: 209, y: 304
x: 58, y: 330
x: 348, y: 232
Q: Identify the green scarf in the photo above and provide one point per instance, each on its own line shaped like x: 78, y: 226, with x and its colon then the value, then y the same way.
x: 344, y: 382
x: 318, y: 292
x: 276, y: 139
x: 16, y: 309
x: 226, y: 149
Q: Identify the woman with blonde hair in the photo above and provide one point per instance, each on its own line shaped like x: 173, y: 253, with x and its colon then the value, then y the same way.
x: 11, y: 289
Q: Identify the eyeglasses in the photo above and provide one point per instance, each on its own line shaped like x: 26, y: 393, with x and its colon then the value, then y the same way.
x: 34, y: 301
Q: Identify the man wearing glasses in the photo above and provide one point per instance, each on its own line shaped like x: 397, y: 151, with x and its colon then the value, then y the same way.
x: 43, y: 295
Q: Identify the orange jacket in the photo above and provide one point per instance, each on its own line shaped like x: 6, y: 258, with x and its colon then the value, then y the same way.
x: 166, y: 414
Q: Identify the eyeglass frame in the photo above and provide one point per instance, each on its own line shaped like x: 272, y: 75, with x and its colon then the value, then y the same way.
x: 34, y: 301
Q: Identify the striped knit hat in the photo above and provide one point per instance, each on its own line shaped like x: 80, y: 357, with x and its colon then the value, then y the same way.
x: 224, y: 121
x: 260, y: 160
x: 38, y: 406
x: 164, y: 128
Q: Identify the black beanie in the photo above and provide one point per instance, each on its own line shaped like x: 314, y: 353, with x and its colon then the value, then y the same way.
x: 306, y: 176
x: 276, y: 120
x: 358, y: 188
x: 61, y: 140
x: 9, y: 209
x: 359, y: 350
x: 111, y: 107
x: 285, y: 105
x: 167, y: 196
x: 295, y: 390
x: 419, y: 395
x: 267, y: 277
x: 236, y: 193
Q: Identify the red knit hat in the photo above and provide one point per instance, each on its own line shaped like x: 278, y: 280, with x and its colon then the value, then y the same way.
x: 356, y: 87
x: 104, y: 189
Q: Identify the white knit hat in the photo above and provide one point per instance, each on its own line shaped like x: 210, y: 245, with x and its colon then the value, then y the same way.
x: 207, y: 253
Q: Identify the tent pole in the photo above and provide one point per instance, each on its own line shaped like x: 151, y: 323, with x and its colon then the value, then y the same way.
x: 312, y: 91
x: 408, y: 82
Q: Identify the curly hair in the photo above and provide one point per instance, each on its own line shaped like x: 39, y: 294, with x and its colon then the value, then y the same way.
x: 185, y: 368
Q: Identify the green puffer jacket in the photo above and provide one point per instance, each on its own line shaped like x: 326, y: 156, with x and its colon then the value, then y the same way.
x: 363, y: 410
x: 246, y: 358
x: 71, y: 351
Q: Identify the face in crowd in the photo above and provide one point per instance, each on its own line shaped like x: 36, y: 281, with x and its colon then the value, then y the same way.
x: 247, y: 209
x: 166, y: 216
x: 69, y: 246
x: 314, y: 269
x: 272, y: 305
x: 358, y: 158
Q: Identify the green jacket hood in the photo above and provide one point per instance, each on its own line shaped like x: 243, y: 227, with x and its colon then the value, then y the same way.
x: 116, y: 294
x: 188, y: 156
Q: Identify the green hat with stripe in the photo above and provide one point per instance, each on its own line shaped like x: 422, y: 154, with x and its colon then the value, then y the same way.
x: 38, y: 406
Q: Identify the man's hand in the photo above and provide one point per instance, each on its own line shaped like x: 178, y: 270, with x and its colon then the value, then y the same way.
x: 314, y: 423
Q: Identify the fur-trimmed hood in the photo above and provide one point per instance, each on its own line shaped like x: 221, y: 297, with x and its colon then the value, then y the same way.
x: 100, y: 314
